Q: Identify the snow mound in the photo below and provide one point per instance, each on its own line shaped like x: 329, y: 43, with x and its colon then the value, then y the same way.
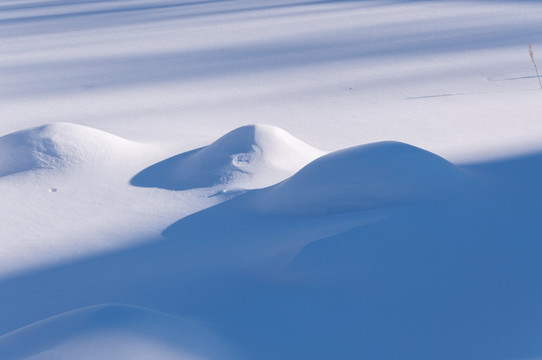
x: 112, y: 332
x: 249, y: 157
x: 362, y: 177
x: 58, y: 145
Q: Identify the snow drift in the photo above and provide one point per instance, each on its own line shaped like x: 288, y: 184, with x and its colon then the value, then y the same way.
x: 58, y: 145
x: 426, y: 279
x: 363, y: 177
x: 112, y: 332
x: 248, y: 157
x: 378, y: 178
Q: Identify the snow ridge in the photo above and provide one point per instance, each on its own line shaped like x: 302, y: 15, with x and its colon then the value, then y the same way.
x: 248, y: 157
x: 363, y: 177
x: 59, y: 145
x: 111, y: 332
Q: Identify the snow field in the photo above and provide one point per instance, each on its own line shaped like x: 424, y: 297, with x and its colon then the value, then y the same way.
x: 385, y: 206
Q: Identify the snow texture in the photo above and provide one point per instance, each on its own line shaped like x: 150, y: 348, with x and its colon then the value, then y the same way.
x: 112, y: 332
x: 364, y: 177
x: 247, y: 157
x: 58, y: 145
x: 143, y: 216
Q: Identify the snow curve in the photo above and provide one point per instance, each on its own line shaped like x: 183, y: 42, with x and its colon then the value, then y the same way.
x: 58, y: 145
x: 362, y: 177
x: 112, y: 332
x: 248, y: 157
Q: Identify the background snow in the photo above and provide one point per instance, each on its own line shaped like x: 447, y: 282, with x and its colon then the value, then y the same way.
x: 444, y: 268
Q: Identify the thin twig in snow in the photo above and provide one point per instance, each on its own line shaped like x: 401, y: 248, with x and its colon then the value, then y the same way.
x: 531, y: 54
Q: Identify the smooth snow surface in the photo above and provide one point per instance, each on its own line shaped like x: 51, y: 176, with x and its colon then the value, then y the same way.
x: 386, y: 205
x: 364, y: 177
x: 112, y: 332
x: 248, y: 157
x: 59, y: 145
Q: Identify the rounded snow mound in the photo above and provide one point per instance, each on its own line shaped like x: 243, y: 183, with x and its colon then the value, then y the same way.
x: 112, y: 332
x: 249, y: 157
x: 57, y: 145
x: 362, y: 177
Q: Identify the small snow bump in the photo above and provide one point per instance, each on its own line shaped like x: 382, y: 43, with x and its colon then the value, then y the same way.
x: 252, y: 156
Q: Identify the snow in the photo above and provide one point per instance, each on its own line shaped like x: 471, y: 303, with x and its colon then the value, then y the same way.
x: 112, y: 331
x: 248, y: 157
x: 59, y: 145
x: 281, y: 179
x: 363, y: 177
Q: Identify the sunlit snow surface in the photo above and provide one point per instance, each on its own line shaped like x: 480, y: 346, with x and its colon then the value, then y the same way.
x: 270, y: 180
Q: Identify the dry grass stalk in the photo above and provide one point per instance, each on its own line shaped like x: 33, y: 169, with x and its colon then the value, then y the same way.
x: 531, y: 54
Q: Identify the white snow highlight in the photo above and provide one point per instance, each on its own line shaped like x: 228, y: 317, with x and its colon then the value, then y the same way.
x: 248, y: 157
x: 59, y: 145
x: 363, y: 177
x: 130, y: 174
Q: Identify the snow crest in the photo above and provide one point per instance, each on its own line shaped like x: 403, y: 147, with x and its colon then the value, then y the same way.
x: 248, y: 157
x: 58, y: 145
x: 112, y: 332
x: 362, y: 177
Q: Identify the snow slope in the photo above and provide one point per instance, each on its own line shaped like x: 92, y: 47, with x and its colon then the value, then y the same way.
x: 454, y: 78
x: 421, y: 279
x: 59, y: 145
x: 364, y: 177
x: 248, y: 157
x: 130, y: 175
x: 112, y: 332
x: 67, y: 171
